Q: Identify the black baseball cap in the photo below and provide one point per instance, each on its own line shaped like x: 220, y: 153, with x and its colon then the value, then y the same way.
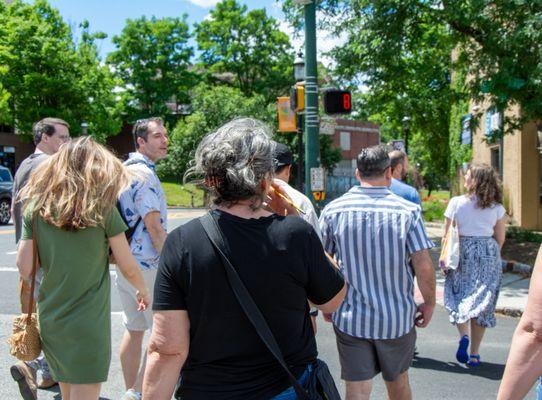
x: 283, y: 155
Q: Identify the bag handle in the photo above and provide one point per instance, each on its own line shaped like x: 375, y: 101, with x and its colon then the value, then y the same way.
x: 34, y: 267
x: 245, y: 300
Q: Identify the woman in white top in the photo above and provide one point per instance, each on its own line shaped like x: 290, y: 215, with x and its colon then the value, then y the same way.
x: 471, y: 291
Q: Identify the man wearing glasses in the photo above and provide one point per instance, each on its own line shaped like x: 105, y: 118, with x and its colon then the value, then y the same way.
x: 49, y: 135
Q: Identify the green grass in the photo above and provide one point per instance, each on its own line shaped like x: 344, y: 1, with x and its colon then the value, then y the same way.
x: 523, y: 235
x: 182, y: 195
x: 435, y: 205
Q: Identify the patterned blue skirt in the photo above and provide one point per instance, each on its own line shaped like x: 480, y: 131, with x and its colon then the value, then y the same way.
x: 471, y: 291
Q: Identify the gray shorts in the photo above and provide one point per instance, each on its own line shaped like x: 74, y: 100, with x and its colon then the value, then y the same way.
x: 362, y: 359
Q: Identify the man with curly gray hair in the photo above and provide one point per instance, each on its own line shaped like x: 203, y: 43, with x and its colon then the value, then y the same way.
x: 199, y: 325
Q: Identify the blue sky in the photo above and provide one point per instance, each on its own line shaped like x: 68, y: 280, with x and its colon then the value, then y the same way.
x: 109, y: 16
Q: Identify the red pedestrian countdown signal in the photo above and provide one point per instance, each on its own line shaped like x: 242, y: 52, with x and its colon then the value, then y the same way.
x: 337, y: 101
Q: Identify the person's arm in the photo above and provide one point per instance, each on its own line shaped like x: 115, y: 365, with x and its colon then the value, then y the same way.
x: 447, y: 223
x: 524, y: 363
x: 334, y: 303
x: 156, y: 231
x: 499, y: 232
x: 129, y: 267
x: 425, y: 275
x: 167, y: 352
x: 24, y: 258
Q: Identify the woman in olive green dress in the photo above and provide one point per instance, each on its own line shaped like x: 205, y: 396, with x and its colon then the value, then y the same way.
x: 72, y: 195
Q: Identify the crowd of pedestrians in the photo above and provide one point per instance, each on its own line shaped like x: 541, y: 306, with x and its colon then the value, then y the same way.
x: 357, y: 264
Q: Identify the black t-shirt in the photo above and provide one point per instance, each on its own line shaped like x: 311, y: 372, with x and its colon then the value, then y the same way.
x: 282, y: 263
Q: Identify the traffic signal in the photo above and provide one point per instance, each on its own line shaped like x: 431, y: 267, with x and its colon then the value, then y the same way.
x: 337, y: 101
x: 297, y: 97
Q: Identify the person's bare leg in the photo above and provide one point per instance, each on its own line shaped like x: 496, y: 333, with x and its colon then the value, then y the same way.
x: 399, y: 389
x: 85, y: 392
x: 130, y: 356
x: 477, y: 334
x: 358, y: 390
x: 463, y: 329
x: 138, y: 384
x: 65, y: 390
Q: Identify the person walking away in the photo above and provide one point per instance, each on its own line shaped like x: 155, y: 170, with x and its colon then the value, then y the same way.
x: 399, y: 172
x: 283, y: 159
x: 471, y: 291
x: 49, y: 134
x: 373, y: 233
x: 199, y: 324
x: 70, y: 200
x: 144, y: 208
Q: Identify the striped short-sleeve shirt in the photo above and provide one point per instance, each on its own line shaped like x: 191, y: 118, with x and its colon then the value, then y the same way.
x: 372, y: 232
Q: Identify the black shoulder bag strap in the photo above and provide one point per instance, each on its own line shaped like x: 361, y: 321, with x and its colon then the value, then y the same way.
x: 247, y: 303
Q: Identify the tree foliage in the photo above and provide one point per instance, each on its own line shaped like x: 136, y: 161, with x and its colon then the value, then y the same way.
x: 153, y: 62
x: 45, y: 73
x: 213, y: 106
x: 248, y: 45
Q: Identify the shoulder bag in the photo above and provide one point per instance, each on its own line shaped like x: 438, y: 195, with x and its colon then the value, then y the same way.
x: 320, y: 384
x: 24, y: 342
x: 450, y: 252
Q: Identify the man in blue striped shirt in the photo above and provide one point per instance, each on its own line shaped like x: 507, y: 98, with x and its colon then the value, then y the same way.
x: 372, y: 233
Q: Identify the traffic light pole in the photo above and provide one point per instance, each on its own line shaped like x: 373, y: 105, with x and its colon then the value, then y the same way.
x: 299, y: 124
x: 312, y: 138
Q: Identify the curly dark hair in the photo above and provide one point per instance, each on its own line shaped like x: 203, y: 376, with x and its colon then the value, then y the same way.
x: 486, y: 185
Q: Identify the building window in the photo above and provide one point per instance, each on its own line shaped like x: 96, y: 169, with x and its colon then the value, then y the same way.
x: 496, y: 159
x: 345, y: 141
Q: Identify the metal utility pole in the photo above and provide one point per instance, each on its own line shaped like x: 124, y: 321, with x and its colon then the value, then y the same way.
x: 312, y: 138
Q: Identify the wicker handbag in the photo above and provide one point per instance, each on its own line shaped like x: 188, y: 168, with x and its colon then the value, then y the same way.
x: 25, y: 343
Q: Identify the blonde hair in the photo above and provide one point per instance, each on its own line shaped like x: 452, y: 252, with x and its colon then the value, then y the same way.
x: 77, y: 186
x: 486, y: 185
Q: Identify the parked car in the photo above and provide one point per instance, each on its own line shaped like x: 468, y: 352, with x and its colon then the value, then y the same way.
x: 6, y: 187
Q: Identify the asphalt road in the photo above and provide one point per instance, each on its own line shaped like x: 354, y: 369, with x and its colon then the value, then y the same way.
x: 434, y: 374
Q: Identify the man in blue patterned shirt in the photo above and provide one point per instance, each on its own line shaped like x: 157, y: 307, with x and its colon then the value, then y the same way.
x: 372, y: 232
x: 144, y: 208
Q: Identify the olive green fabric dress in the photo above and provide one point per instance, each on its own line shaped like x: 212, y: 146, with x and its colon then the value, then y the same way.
x: 74, y: 309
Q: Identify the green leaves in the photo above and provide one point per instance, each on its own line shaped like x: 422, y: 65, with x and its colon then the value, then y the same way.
x: 152, y: 62
x: 45, y: 73
x: 247, y: 45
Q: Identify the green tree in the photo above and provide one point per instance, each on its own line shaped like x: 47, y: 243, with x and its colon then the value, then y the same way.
x: 45, y: 73
x: 152, y: 60
x: 248, y: 45
x: 214, y: 106
x: 498, y: 42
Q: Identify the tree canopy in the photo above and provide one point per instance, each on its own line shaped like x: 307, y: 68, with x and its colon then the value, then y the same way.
x: 153, y: 62
x: 45, y: 73
x: 248, y: 45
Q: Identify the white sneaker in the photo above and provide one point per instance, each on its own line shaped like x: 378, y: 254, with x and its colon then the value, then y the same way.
x: 131, y: 394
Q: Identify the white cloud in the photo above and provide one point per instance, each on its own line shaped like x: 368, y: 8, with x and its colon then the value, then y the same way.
x: 204, y: 3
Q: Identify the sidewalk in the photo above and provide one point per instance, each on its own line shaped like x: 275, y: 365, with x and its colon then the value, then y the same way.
x: 514, y: 289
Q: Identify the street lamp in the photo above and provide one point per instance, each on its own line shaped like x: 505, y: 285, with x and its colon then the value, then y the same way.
x: 299, y: 75
x: 84, y: 128
x: 406, y: 130
x: 299, y: 67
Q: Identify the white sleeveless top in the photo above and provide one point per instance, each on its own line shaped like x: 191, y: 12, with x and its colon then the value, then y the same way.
x: 472, y: 220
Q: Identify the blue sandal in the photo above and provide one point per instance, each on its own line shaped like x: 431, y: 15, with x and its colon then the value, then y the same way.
x: 472, y: 363
x: 462, y: 356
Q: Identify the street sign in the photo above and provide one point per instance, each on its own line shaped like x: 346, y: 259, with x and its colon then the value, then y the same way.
x: 318, y: 183
x: 287, y: 121
x: 327, y: 127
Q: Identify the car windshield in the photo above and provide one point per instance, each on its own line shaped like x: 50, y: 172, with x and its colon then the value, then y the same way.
x: 5, y: 175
